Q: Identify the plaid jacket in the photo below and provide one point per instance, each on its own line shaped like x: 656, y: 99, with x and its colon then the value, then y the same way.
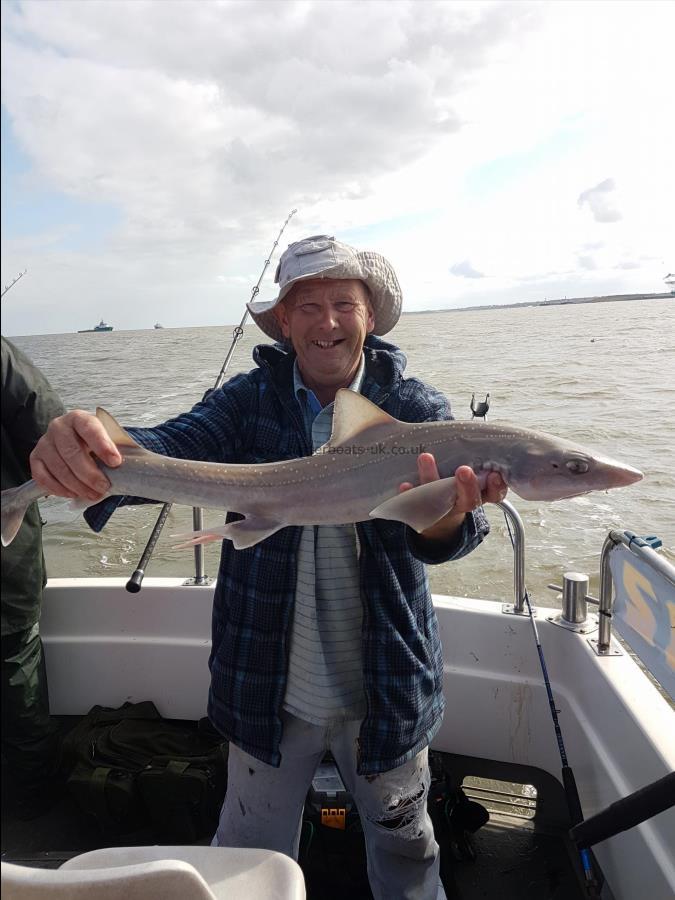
x: 255, y: 418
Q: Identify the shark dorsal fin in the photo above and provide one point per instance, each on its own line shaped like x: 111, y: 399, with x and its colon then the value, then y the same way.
x: 352, y: 414
x: 117, y: 434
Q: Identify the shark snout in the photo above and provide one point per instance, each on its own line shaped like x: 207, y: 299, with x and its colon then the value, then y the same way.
x: 611, y: 474
x: 628, y: 475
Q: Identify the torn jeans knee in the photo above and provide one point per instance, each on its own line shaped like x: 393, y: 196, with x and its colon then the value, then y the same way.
x: 402, y: 802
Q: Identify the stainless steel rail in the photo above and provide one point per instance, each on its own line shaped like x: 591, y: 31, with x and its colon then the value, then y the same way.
x: 518, y: 555
x: 640, y: 548
x: 200, y: 576
x: 518, y: 558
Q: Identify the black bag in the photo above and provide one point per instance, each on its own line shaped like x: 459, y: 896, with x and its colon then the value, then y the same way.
x: 132, y: 769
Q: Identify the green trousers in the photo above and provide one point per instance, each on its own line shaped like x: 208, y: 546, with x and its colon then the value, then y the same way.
x: 30, y: 740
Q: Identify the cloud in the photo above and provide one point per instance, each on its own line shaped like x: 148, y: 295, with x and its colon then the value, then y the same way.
x: 600, y: 203
x: 197, y: 116
x: 587, y: 262
x: 464, y: 269
x: 191, y: 129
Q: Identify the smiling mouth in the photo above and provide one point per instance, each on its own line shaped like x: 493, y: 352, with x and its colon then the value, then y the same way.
x: 327, y: 345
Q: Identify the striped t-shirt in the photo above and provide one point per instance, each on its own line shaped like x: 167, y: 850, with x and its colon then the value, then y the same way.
x: 325, y: 674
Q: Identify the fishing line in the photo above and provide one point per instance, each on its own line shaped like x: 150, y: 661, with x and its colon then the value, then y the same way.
x: 569, y: 782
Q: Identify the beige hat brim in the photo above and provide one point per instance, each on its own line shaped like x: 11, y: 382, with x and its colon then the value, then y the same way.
x: 370, y: 267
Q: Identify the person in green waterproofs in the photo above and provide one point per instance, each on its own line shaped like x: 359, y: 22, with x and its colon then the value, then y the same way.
x: 30, y: 739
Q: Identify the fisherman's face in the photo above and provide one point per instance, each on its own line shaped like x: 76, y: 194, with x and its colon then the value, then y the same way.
x: 327, y: 320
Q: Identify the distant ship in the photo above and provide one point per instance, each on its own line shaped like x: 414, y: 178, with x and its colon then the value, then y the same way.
x: 157, y: 325
x: 100, y: 327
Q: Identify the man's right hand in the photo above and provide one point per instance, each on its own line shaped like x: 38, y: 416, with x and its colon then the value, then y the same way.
x: 62, y: 460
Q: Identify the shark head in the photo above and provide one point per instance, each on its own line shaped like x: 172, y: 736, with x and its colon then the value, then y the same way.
x: 553, y: 469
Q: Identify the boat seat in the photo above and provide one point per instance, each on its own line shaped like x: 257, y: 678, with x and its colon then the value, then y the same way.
x: 160, y: 873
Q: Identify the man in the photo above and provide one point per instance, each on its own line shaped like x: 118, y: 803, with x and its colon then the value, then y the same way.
x: 30, y: 740
x: 323, y: 637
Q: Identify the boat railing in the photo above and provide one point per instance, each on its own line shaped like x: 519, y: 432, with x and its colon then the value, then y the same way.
x: 518, y: 539
x: 517, y: 533
x: 643, y: 549
x: 518, y: 536
x: 574, y: 589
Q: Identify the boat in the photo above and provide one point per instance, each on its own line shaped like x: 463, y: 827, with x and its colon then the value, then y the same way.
x: 102, y: 326
x: 157, y: 325
x: 106, y: 645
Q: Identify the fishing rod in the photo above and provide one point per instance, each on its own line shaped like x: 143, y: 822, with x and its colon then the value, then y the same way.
x: 133, y: 585
x: 626, y: 813
x: 569, y: 782
x: 11, y: 285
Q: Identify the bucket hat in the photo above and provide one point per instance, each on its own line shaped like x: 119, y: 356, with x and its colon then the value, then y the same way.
x: 321, y: 256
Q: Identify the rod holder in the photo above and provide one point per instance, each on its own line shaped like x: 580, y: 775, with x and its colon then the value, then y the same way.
x: 574, y: 593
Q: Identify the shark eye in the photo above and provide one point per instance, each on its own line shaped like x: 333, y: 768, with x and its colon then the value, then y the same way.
x: 577, y: 466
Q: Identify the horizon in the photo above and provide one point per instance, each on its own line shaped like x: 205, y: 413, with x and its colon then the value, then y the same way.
x: 610, y: 298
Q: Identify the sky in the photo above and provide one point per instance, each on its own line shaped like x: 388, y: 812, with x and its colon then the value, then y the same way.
x: 494, y: 152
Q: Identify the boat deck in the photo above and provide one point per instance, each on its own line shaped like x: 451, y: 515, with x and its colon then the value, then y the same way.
x: 512, y: 856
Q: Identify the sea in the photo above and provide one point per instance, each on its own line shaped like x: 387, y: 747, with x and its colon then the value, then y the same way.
x: 600, y: 374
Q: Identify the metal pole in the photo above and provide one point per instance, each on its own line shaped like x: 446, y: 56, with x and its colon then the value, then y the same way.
x: 641, y: 548
x: 606, y: 595
x: 136, y: 580
x: 200, y: 570
x: 518, y: 539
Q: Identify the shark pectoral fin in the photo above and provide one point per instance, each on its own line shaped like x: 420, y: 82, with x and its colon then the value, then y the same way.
x: 79, y: 504
x: 420, y: 507
x: 244, y: 533
x: 250, y: 531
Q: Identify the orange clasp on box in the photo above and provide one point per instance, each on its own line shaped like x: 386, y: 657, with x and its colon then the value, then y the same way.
x: 333, y: 818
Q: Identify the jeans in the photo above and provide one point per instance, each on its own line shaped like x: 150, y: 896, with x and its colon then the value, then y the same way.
x: 263, y: 807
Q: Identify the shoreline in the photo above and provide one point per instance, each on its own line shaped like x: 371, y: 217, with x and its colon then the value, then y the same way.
x: 609, y: 298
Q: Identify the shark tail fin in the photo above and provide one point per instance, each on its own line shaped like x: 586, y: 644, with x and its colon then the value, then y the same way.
x: 14, y: 506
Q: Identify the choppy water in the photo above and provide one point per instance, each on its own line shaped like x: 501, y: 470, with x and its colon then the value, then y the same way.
x: 602, y: 374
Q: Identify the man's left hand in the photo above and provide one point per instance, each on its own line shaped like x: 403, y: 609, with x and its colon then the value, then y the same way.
x: 469, y: 496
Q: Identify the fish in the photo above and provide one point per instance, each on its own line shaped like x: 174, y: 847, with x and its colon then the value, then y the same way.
x: 354, y: 477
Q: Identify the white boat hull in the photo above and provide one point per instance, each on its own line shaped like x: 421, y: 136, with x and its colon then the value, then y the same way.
x: 106, y: 646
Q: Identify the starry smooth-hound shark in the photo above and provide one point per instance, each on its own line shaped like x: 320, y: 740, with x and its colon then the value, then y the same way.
x: 353, y: 478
